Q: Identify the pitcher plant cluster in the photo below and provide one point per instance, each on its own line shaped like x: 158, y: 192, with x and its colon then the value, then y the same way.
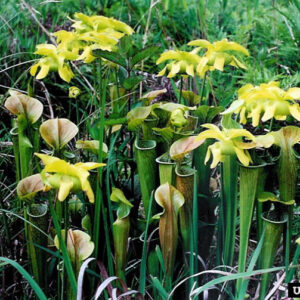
x: 183, y: 172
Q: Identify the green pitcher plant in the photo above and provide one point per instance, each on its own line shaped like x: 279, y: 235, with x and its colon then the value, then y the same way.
x: 36, y: 214
x: 171, y: 200
x: 228, y: 147
x: 185, y: 184
x: 79, y: 247
x: 28, y: 111
x: 121, y: 228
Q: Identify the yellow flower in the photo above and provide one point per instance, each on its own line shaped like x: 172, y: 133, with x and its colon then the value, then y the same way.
x: 53, y: 60
x: 84, y: 23
x: 218, y: 55
x: 74, y: 92
x: 66, y: 177
x: 230, y: 143
x: 183, y: 63
x: 265, y: 102
x: 69, y: 41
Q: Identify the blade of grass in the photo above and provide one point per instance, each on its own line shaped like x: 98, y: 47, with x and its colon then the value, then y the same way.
x: 40, y: 294
x: 144, y: 251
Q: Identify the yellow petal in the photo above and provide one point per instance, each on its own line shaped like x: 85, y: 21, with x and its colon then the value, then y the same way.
x: 45, y: 49
x: 255, y: 114
x: 234, y: 133
x: 200, y: 43
x: 65, y: 73
x: 217, y: 154
x: 190, y: 70
x: 219, y: 62
x: 175, y: 68
x: 207, y: 156
x: 89, y: 165
x: 168, y: 55
x: 295, y: 111
x: 64, y: 189
x: 236, y: 63
x: 33, y: 69
x: 89, y: 192
x: 162, y: 72
x: 232, y: 46
x: 294, y: 93
x: 269, y: 112
x: 46, y: 159
x: 201, y: 66
x: 243, y: 119
x: 43, y: 71
x: 243, y: 158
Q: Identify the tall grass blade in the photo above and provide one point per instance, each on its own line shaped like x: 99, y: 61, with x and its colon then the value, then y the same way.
x: 40, y: 294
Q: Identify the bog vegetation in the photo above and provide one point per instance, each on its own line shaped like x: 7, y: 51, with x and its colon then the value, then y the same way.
x: 149, y: 149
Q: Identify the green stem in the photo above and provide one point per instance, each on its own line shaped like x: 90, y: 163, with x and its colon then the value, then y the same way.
x: 202, y: 89
x: 229, y: 177
x: 181, y: 100
x: 249, y: 177
x: 99, y: 195
x: 67, y: 261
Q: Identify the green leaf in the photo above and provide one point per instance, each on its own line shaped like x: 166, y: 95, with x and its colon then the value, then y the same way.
x: 40, y: 294
x: 130, y: 82
x: 268, y: 196
x: 159, y: 287
x: 111, y: 56
x: 228, y: 123
x: 126, y: 45
x: 143, y: 54
x: 206, y: 113
x: 137, y: 116
x: 123, y: 211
